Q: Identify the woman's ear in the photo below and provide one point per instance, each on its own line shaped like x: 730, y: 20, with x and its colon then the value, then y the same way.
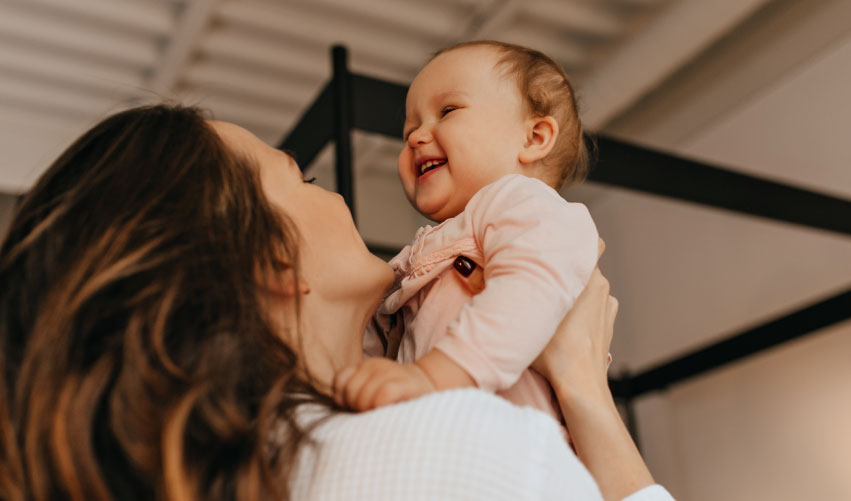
x: 541, y: 135
x: 290, y: 286
x: 284, y: 284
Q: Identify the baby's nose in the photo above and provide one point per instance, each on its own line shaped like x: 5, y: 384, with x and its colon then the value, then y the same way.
x: 419, y: 137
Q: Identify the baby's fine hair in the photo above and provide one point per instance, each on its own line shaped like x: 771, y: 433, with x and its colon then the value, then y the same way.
x: 546, y: 91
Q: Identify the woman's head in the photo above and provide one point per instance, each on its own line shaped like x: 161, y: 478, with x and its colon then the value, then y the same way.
x: 340, y: 280
x: 483, y: 109
x: 137, y: 352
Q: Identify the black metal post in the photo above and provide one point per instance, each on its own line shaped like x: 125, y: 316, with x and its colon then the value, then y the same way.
x: 342, y: 85
x: 313, y: 131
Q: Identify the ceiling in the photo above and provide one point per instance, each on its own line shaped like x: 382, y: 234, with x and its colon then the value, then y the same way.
x: 757, y: 85
x: 64, y: 64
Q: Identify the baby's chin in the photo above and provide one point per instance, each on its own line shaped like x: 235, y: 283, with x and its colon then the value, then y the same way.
x: 438, y: 215
x: 438, y: 209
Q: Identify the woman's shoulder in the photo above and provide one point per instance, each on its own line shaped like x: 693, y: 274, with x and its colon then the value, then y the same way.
x: 448, y: 445
x: 448, y: 413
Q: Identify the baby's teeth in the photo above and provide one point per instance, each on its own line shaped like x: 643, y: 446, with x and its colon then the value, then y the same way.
x: 428, y: 165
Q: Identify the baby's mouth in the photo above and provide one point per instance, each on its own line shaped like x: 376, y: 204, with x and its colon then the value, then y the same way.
x: 430, y: 165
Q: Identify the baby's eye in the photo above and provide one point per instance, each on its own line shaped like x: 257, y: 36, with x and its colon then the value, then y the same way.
x: 447, y: 109
x: 310, y: 181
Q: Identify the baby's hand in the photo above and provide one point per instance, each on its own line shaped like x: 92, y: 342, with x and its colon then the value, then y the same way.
x: 376, y: 382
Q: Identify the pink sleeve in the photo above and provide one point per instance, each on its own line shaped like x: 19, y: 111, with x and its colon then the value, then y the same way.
x: 539, y: 252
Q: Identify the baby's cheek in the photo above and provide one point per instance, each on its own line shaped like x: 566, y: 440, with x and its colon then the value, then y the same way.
x: 406, y: 175
x: 403, y: 163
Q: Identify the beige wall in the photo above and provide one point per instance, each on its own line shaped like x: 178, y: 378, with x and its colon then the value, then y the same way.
x: 774, y: 427
x: 771, y: 101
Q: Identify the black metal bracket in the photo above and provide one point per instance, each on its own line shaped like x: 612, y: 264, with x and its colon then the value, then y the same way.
x: 351, y: 101
x: 794, y: 325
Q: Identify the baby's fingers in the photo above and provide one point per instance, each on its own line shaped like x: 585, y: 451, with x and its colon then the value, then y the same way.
x: 353, y: 387
x: 365, y: 399
x: 392, y: 392
x: 341, y: 379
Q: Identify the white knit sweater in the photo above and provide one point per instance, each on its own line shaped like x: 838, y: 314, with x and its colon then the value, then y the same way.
x: 462, y: 444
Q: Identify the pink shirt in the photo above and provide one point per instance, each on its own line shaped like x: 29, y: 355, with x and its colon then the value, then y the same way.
x: 537, y: 253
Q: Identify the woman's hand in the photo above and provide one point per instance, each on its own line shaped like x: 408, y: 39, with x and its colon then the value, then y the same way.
x: 575, y: 363
x: 577, y: 357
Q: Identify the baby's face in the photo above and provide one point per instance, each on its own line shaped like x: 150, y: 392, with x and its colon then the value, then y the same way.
x: 464, y: 129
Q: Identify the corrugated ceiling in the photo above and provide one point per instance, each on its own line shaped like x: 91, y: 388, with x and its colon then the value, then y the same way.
x: 258, y: 63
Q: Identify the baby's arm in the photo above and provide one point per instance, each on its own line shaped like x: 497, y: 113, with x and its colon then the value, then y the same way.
x: 539, y: 255
x: 376, y: 382
x: 539, y: 252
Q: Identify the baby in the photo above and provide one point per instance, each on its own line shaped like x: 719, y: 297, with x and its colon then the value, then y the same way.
x: 491, y: 130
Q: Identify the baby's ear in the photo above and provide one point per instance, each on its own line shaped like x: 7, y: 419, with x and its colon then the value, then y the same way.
x: 541, y: 135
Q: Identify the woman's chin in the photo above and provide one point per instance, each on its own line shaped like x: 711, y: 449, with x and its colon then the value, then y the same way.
x: 389, y: 276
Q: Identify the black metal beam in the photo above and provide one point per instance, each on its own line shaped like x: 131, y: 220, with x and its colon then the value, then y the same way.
x: 312, y: 131
x: 379, y: 105
x: 630, y: 166
x: 380, y: 108
x: 343, y: 123
x: 780, y: 330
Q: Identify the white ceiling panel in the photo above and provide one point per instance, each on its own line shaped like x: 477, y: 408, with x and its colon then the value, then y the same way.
x: 260, y: 62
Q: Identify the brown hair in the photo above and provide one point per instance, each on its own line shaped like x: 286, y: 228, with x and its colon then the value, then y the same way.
x: 547, y: 91
x: 136, y: 356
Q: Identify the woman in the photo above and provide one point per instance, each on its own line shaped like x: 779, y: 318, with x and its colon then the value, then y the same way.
x: 175, y: 303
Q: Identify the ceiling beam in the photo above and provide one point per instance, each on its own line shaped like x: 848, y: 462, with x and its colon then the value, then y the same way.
x: 489, y: 20
x: 218, y: 76
x: 786, y: 37
x: 58, y: 97
x: 406, y: 16
x: 22, y: 24
x: 47, y: 66
x: 151, y: 18
x: 187, y: 32
x: 582, y: 17
x: 677, y: 34
x: 230, y: 45
x: 285, y: 22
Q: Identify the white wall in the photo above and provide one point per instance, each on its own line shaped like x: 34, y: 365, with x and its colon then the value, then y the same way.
x: 772, y: 101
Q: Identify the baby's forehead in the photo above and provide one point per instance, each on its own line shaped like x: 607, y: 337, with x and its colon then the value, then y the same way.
x: 471, y: 71
x: 463, y: 66
x: 480, y: 55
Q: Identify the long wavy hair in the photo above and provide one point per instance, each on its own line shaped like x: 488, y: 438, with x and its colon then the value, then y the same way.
x: 136, y: 355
